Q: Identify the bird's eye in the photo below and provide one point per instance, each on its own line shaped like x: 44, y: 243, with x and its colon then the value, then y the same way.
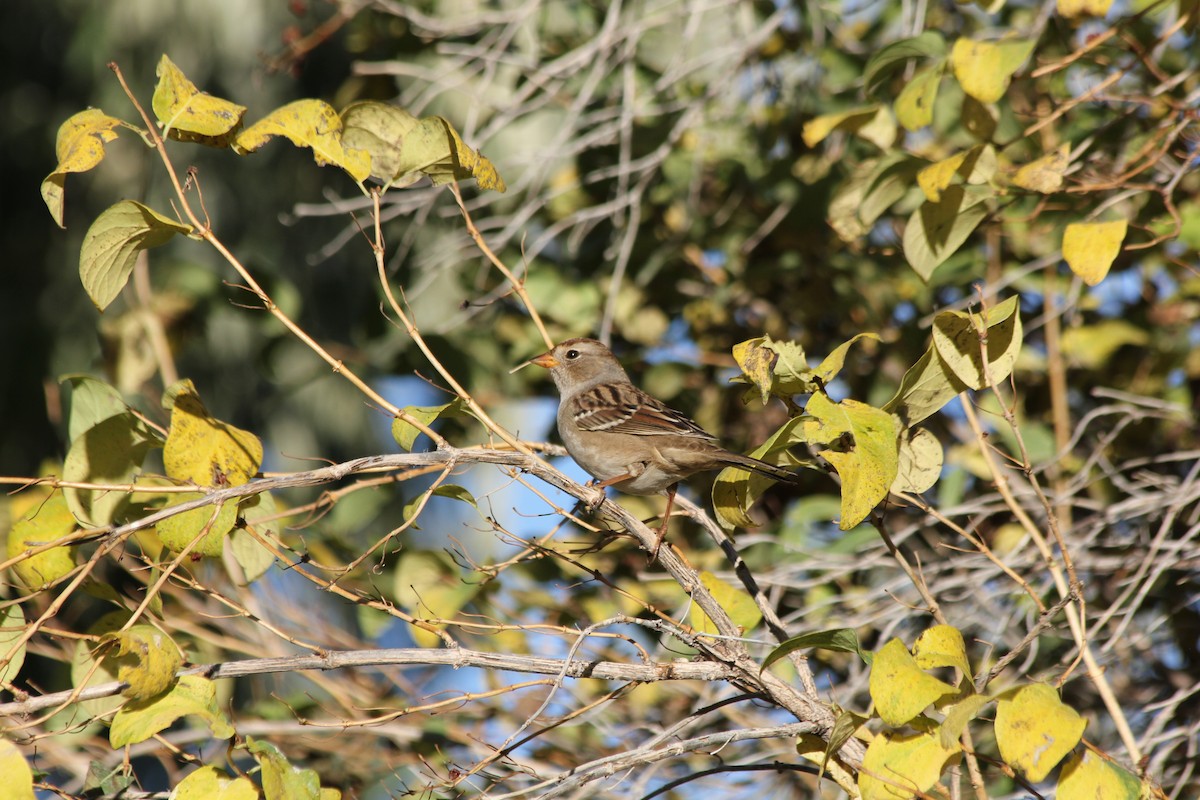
x: 572, y: 355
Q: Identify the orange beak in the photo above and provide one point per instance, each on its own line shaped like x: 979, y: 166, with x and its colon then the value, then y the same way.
x: 545, y: 360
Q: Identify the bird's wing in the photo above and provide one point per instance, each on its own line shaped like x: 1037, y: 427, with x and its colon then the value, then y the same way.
x: 627, y: 409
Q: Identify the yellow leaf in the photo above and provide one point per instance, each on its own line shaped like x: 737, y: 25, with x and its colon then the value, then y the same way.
x: 1091, y: 346
x: 146, y: 659
x: 429, y: 586
x: 1035, y: 730
x: 861, y: 445
x: 44, y: 523
x: 1083, y: 8
x: 737, y: 604
x: 984, y: 69
x: 898, y: 766
x: 109, y: 452
x: 189, y: 114
x: 1046, y: 174
x: 307, y: 123
x: 900, y: 688
x: 958, y: 715
x: 941, y: 646
x: 914, y: 104
x: 79, y: 148
x: 1090, y: 248
x: 1086, y: 776
x: 936, y: 177
x: 205, y: 450
x: 210, y: 783
x: 815, y: 130
x: 15, y: 772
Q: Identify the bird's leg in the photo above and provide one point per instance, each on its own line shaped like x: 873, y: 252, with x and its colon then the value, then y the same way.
x: 666, y: 520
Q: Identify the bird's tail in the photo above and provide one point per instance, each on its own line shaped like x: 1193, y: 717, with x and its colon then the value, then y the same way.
x: 761, y: 467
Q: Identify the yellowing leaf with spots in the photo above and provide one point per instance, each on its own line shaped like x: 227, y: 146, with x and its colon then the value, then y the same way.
x: 1090, y: 248
x: 307, y: 123
x: 920, y: 460
x: 188, y: 114
x: 79, y: 148
x: 210, y: 783
x: 15, y: 772
x: 898, y: 766
x: 934, y: 179
x: 956, y: 337
x: 860, y: 442
x: 1045, y: 175
x: 815, y: 130
x: 737, y: 604
x: 941, y: 646
x: 146, y: 659
x: 984, y: 69
x: 1035, y: 730
x: 914, y: 104
x: 204, y: 450
x: 1087, y: 776
x: 900, y: 688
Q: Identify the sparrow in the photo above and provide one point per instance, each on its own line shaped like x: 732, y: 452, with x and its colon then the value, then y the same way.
x: 625, y: 438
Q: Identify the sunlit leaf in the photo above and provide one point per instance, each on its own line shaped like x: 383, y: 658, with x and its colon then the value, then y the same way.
x: 920, y: 460
x: 928, y: 44
x: 79, y: 147
x: 405, y: 433
x: 861, y: 446
x: 925, y: 388
x: 914, y: 105
x: 898, y: 766
x: 1090, y: 248
x: 1035, y: 730
x: 1072, y: 9
x: 737, y: 604
x: 191, y: 696
x: 816, y: 130
x: 12, y: 627
x: 957, y: 336
x: 958, y: 715
x: 1045, y: 175
x: 45, y: 522
x: 146, y: 659
x: 843, y: 640
x: 900, y: 688
x: 190, y: 115
x: 15, y: 772
x: 1087, y: 775
x: 110, y: 452
x: 210, y: 783
x: 307, y: 123
x: 984, y: 69
x: 205, y: 450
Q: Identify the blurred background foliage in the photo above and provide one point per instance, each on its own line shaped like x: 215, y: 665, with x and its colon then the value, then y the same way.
x: 661, y: 195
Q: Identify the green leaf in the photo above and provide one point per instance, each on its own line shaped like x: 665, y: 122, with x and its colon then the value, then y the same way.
x: 929, y: 44
x: 113, y: 242
x: 79, y: 148
x: 926, y: 387
x: 956, y: 336
x: 189, y: 115
x: 914, y: 104
x: 832, y: 364
x: 736, y: 490
x: 110, y: 452
x: 890, y: 180
x: 861, y: 446
x: 307, y: 123
x: 12, y: 627
x: 405, y: 433
x: 935, y: 231
x: 958, y: 715
x: 900, y: 688
x: 737, y: 604
x: 920, y: 460
x: 192, y: 695
x: 214, y: 521
x: 252, y: 556
x: 92, y: 402
x: 985, y: 69
x: 1035, y: 729
x: 843, y: 640
x: 281, y: 780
